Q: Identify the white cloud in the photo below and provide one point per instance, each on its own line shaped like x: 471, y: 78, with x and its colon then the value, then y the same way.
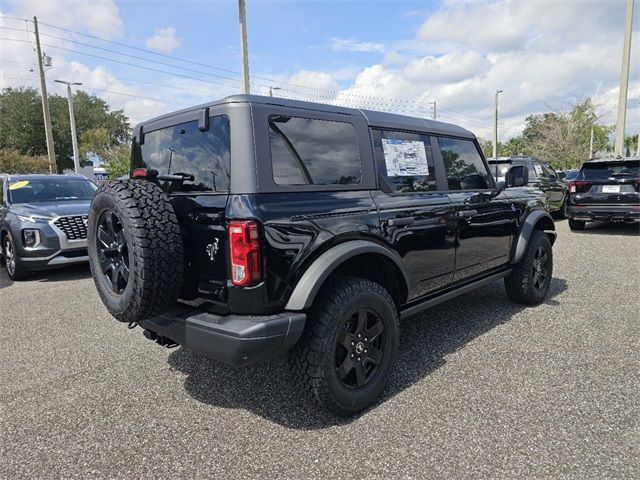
x: 99, y: 17
x: 463, y: 52
x: 164, y: 39
x: 346, y: 45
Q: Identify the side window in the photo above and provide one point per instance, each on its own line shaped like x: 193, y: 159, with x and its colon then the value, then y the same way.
x: 307, y: 151
x: 463, y: 164
x: 1, y: 192
x: 183, y: 148
x: 403, y: 161
x: 547, y: 171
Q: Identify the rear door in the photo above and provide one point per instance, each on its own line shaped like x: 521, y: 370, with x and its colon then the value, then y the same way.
x: 199, y: 152
x: 547, y: 180
x: 603, y: 183
x: 415, y: 213
x: 484, y: 217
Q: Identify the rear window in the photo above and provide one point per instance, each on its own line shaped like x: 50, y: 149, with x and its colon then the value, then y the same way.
x: 307, y: 151
x: 183, y: 148
x: 605, y: 170
x: 50, y: 190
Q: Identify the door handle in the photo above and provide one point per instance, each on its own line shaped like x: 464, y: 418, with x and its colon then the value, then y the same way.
x: 399, y: 222
x: 467, y: 213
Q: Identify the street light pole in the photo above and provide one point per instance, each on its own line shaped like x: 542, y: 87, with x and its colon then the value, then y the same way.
x: 72, y: 121
x: 624, y: 81
x: 243, y: 48
x: 495, y: 125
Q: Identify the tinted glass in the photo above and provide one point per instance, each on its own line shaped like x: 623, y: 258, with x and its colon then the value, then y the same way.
x: 307, y: 151
x: 184, y: 148
x: 403, y: 160
x: 50, y: 190
x: 605, y: 170
x: 463, y: 164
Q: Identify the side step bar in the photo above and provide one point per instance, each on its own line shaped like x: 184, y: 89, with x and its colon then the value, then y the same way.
x: 443, y: 297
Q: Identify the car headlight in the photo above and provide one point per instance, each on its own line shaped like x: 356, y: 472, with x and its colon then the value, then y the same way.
x: 30, y: 237
x: 33, y: 218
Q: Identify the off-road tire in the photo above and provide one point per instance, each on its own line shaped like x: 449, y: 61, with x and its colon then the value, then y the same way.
x: 520, y: 282
x: 313, y: 357
x: 155, y: 249
x: 576, y: 224
x: 19, y: 272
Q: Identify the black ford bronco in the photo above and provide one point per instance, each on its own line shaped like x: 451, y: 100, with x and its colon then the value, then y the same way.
x: 254, y: 226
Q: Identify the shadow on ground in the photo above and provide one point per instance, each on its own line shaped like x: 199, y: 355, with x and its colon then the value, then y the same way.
x: 602, y: 228
x: 73, y: 272
x: 425, y: 341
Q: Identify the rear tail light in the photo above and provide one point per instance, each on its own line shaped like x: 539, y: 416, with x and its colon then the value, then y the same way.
x: 573, y: 186
x: 244, y: 250
x: 139, y: 173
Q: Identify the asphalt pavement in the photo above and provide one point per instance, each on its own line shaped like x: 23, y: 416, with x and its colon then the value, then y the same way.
x: 482, y: 388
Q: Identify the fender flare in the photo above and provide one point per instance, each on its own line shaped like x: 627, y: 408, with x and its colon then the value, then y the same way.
x: 528, y: 226
x: 314, y: 277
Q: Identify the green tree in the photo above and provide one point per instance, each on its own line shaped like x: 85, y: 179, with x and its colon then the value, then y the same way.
x: 22, y: 124
x: 562, y: 138
x: 115, y: 154
x: 15, y: 162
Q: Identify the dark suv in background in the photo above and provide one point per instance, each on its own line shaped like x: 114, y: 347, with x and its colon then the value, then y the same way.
x: 254, y: 226
x: 43, y: 221
x: 541, y: 175
x: 605, y: 190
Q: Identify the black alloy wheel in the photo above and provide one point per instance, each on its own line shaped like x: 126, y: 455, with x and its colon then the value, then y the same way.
x: 540, y: 267
x: 113, y: 251
x: 360, y: 349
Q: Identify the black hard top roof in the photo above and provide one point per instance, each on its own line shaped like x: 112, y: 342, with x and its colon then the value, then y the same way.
x: 613, y: 159
x: 373, y: 118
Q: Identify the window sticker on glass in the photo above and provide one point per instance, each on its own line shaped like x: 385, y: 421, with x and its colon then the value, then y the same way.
x: 404, y: 158
x: 538, y: 169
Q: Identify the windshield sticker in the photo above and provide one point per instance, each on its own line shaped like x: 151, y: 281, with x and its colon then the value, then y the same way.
x: 404, y: 158
x: 17, y: 185
x: 538, y: 169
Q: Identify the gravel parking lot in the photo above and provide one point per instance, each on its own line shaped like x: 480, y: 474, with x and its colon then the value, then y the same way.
x: 482, y: 388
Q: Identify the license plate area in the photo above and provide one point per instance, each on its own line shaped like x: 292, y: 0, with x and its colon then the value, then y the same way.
x: 610, y: 188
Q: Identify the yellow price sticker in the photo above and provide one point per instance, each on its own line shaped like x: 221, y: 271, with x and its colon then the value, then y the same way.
x: 17, y: 185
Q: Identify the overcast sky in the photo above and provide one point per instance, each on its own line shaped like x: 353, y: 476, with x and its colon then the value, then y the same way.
x: 387, y: 55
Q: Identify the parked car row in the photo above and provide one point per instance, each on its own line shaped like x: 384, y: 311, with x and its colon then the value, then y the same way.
x: 43, y: 217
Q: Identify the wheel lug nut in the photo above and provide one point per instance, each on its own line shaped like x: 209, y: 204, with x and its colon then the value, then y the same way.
x: 358, y: 358
x: 353, y: 343
x: 359, y: 335
x: 365, y: 350
x: 366, y: 339
x: 352, y: 355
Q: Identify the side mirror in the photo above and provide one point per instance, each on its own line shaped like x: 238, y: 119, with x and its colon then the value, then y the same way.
x: 562, y: 175
x: 517, y: 176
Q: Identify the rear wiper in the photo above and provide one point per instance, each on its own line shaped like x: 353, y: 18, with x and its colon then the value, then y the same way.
x: 177, y: 177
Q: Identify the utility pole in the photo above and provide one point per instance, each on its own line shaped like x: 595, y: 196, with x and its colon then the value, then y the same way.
x: 591, y: 144
x: 495, y: 125
x: 624, y: 81
x: 435, y: 116
x: 72, y: 121
x: 243, y: 48
x: 51, y: 151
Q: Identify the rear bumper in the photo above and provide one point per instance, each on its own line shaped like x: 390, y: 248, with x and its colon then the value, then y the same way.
x: 234, y: 339
x: 610, y: 213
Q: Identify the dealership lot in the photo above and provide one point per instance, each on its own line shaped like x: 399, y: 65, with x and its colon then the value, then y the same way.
x: 483, y: 387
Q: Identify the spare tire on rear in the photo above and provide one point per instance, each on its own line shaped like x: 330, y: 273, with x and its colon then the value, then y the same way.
x: 135, y: 249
